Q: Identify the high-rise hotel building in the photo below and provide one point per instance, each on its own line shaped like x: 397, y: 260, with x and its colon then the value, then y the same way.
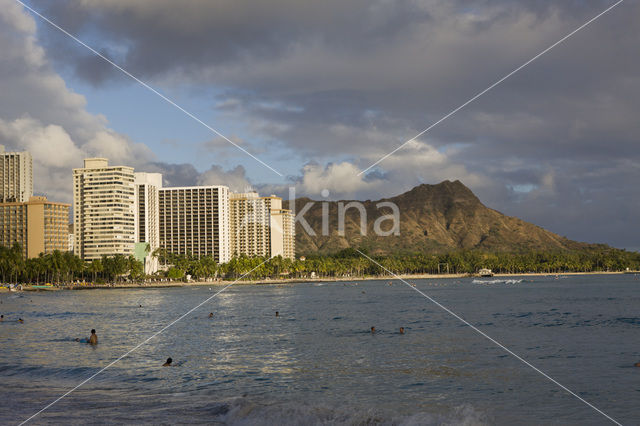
x: 283, y: 231
x: 260, y: 226
x: 16, y: 176
x: 104, y: 199
x: 117, y: 211
x: 39, y: 226
x: 250, y: 220
x: 147, y: 218
x: 195, y: 221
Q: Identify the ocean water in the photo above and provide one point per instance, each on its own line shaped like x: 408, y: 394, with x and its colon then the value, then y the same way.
x: 318, y: 363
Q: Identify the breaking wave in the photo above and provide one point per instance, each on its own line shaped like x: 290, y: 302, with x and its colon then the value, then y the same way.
x: 498, y: 281
x: 242, y: 412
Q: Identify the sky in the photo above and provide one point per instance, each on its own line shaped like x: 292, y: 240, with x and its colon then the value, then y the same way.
x: 319, y: 91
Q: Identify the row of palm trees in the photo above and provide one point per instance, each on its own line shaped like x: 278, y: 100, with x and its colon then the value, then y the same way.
x: 64, y: 267
x: 351, y: 263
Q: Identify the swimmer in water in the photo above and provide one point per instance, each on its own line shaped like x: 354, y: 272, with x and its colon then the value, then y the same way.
x: 401, y: 330
x: 93, y: 339
x: 1, y: 317
x: 210, y: 314
x: 373, y: 330
x: 637, y: 364
x: 277, y: 314
x: 20, y: 320
x: 167, y: 363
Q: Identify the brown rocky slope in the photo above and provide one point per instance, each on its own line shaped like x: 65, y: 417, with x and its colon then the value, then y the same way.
x: 433, y: 218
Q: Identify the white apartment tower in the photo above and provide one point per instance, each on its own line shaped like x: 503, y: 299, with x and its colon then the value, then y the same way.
x: 147, y: 217
x: 103, y: 209
x: 195, y: 221
x: 16, y: 176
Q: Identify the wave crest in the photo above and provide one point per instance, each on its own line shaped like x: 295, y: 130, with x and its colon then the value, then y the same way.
x: 498, y: 281
x: 246, y: 413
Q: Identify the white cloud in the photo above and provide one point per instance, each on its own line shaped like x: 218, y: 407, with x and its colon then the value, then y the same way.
x: 50, y: 145
x: 417, y: 162
x: 40, y: 114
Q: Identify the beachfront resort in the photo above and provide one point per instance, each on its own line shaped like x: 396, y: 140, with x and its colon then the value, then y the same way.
x: 118, y: 211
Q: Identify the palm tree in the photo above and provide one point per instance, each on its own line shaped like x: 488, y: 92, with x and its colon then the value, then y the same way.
x: 95, y: 267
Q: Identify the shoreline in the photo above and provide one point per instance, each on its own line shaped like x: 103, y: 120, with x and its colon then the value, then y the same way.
x: 289, y: 281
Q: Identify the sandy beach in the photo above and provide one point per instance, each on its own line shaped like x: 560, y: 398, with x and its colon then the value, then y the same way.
x: 289, y: 281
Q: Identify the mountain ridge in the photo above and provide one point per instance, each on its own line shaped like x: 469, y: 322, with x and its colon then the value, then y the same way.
x: 446, y: 216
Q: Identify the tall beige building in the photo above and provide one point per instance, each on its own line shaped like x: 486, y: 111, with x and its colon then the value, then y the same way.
x: 104, y: 209
x: 195, y: 221
x: 282, y: 229
x: 39, y: 226
x: 283, y: 234
x: 250, y: 219
x: 147, y: 218
x: 260, y: 226
x: 16, y: 176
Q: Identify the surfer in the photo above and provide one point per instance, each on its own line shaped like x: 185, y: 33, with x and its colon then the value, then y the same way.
x: 93, y: 339
x: 167, y: 363
x: 20, y: 320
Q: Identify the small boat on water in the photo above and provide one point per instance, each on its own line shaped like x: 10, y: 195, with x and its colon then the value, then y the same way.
x: 484, y: 272
x: 37, y: 287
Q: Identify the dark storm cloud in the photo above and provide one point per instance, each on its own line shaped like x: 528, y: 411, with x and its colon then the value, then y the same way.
x: 168, y: 35
x: 175, y: 174
x: 353, y: 80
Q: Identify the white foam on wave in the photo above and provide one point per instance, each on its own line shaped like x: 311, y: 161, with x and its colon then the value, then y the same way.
x: 246, y: 413
x: 498, y: 281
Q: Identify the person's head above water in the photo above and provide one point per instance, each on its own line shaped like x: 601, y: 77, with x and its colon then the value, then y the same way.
x: 210, y: 314
x: 168, y: 362
x: 93, y: 331
x: 373, y: 329
x: 277, y: 313
x: 401, y: 330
